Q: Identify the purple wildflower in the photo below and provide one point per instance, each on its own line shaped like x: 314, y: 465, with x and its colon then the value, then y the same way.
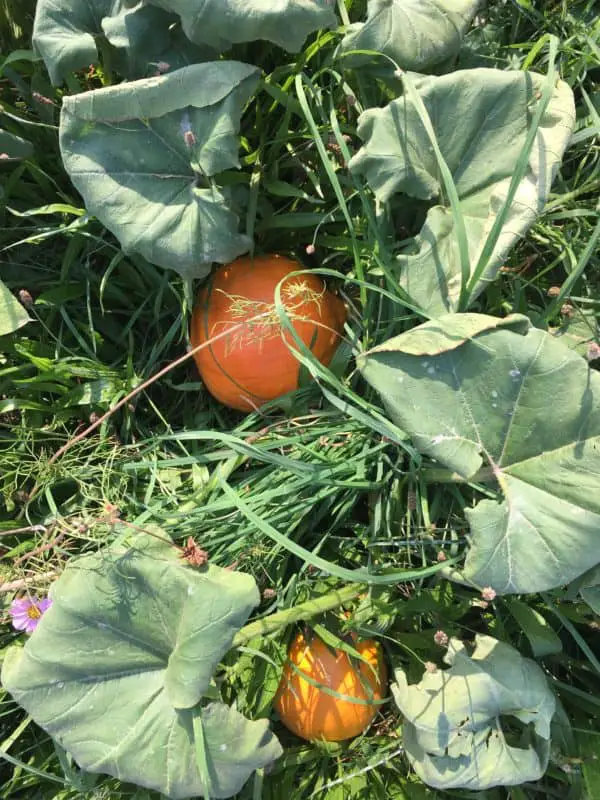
x: 26, y: 612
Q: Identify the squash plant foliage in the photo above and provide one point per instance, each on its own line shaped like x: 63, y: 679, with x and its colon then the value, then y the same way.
x: 457, y: 722
x: 120, y: 670
x: 147, y: 154
x: 481, y: 119
x: 12, y: 148
x: 500, y: 402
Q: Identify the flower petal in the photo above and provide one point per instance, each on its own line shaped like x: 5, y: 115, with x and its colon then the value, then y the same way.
x: 21, y: 623
x: 20, y: 605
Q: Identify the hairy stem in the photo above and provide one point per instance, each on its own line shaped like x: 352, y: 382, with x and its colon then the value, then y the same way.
x: 307, y: 610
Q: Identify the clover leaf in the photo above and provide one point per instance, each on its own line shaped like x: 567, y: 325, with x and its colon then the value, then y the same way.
x: 117, y: 669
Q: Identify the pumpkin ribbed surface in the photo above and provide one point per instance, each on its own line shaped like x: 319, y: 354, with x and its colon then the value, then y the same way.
x: 311, y: 713
x: 252, y: 364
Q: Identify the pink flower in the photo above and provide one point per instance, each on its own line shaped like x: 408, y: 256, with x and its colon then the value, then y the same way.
x: 488, y: 594
x: 41, y: 99
x: 593, y: 351
x: 310, y: 249
x: 26, y: 612
x: 441, y: 638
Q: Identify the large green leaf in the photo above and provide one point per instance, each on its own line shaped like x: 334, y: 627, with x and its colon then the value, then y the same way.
x: 147, y: 36
x: 140, y: 154
x: 456, y: 728
x: 417, y: 34
x: 588, y: 587
x: 516, y: 408
x: 118, y: 666
x: 480, y: 118
x: 65, y: 32
x: 221, y: 23
x: 12, y: 314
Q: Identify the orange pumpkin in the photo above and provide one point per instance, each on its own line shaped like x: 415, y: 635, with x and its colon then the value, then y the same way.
x: 253, y: 364
x: 311, y: 713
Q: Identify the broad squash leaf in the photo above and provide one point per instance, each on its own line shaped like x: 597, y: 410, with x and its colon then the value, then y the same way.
x: 118, y: 666
x: 579, y: 331
x: 516, y: 408
x: 417, y: 34
x: 457, y: 721
x: 148, y: 37
x: 221, y: 23
x: 480, y: 118
x: 65, y: 32
x: 141, y: 154
x: 12, y: 314
x: 588, y: 587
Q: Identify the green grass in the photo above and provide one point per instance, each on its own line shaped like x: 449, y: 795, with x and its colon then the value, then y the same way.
x: 318, y: 469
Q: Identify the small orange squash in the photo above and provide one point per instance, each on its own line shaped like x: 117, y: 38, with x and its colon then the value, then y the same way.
x: 311, y: 713
x: 253, y: 364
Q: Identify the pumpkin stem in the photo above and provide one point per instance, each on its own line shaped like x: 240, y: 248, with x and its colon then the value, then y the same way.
x: 311, y: 608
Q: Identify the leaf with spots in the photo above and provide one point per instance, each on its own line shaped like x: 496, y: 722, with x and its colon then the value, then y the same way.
x: 119, y: 667
x: 516, y: 408
x: 143, y: 154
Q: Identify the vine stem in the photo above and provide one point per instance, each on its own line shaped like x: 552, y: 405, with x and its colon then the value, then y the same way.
x: 140, y: 388
x: 442, y: 475
x: 304, y: 611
